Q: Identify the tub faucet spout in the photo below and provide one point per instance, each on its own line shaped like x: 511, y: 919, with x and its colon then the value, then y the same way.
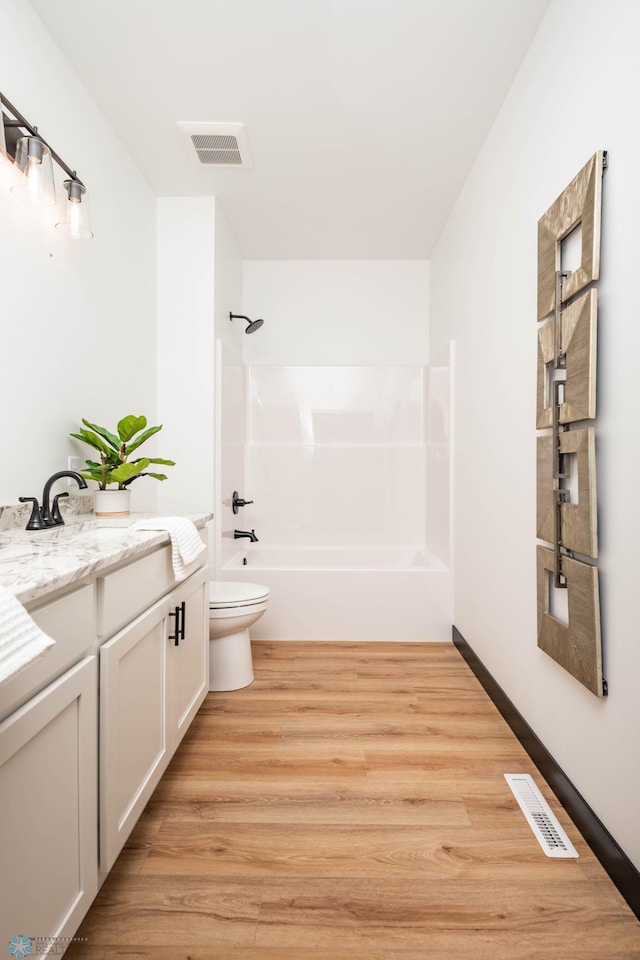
x: 250, y: 535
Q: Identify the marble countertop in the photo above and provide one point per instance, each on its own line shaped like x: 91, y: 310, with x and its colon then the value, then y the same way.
x: 36, y: 563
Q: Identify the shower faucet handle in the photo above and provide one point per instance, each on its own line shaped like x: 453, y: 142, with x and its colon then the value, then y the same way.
x: 237, y: 502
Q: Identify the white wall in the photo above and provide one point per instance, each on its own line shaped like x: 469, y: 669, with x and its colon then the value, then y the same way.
x: 199, y: 283
x: 228, y: 287
x: 78, y: 317
x: 350, y: 312
x: 229, y: 388
x: 186, y: 254
x: 577, y: 92
x: 440, y: 378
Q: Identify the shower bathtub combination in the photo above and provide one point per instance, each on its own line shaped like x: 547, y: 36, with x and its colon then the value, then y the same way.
x: 343, y: 593
x: 346, y: 476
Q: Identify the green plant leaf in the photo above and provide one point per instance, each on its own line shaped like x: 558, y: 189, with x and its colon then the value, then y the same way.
x: 93, y: 440
x: 127, y: 471
x: 167, y: 463
x: 129, y: 426
x: 141, y: 439
x: 101, y: 475
x: 158, y: 476
x: 112, y: 440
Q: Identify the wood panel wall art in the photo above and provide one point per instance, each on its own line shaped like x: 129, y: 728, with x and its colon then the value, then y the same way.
x: 567, y: 516
x: 579, y: 331
x: 575, y: 645
x: 579, y: 204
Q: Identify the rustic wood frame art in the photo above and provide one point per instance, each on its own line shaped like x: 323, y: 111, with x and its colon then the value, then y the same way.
x: 576, y: 645
x: 579, y: 331
x: 579, y: 520
x: 579, y: 204
x: 566, y: 398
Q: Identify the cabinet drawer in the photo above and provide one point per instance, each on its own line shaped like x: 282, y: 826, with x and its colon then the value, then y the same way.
x: 70, y: 621
x: 128, y: 591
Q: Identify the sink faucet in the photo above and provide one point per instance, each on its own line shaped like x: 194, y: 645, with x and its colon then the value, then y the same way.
x: 238, y: 534
x: 51, y: 521
x: 43, y: 517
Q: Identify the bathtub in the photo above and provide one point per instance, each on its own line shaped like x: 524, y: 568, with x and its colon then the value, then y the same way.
x: 348, y: 593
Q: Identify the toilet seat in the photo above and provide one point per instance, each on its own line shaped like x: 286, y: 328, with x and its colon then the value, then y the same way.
x: 225, y: 594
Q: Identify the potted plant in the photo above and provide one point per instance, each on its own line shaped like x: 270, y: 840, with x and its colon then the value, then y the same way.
x: 114, y: 466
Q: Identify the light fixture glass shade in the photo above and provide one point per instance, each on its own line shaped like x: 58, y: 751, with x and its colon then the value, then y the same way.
x: 3, y: 139
x: 77, y: 221
x: 33, y: 160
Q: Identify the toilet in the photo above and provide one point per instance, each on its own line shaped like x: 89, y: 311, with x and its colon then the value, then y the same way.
x: 233, y: 608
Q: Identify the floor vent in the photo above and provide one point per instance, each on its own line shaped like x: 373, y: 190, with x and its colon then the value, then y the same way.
x: 218, y: 144
x: 545, y: 826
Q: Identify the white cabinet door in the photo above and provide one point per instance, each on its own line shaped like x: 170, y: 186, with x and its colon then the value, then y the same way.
x: 48, y: 830
x: 188, y: 666
x: 133, y: 727
x: 153, y: 677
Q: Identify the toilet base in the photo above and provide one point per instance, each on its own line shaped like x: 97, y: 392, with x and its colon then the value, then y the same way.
x: 230, y: 662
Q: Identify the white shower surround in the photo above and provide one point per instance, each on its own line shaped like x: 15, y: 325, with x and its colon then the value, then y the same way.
x: 336, y: 461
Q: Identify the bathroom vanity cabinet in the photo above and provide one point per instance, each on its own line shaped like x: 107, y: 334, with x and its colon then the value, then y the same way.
x: 48, y: 785
x: 153, y: 677
x: 88, y: 730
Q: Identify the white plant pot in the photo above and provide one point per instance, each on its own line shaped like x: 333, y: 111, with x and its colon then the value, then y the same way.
x: 112, y: 503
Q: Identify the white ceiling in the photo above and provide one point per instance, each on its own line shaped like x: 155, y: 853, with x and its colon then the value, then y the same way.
x: 364, y: 116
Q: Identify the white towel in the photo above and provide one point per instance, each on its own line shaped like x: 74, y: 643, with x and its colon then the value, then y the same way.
x: 186, y: 545
x: 22, y: 642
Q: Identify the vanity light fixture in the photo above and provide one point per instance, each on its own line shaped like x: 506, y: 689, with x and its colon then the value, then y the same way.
x: 33, y: 160
x: 3, y: 142
x: 33, y: 157
x: 76, y: 223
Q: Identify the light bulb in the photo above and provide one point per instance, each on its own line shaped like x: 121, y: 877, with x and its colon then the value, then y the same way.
x: 33, y: 160
x: 76, y: 223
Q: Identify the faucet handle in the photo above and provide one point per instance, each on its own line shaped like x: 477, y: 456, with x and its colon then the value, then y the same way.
x: 35, y: 520
x: 55, y: 510
x: 237, y: 502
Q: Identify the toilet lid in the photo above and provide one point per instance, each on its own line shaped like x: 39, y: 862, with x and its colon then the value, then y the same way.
x: 230, y: 593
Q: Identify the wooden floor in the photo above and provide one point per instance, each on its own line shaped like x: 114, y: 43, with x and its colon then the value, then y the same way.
x: 351, y: 805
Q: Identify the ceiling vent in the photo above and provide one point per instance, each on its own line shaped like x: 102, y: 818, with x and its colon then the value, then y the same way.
x: 218, y: 144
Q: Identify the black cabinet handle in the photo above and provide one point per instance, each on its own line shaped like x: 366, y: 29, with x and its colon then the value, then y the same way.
x: 176, y: 634
x: 180, y: 614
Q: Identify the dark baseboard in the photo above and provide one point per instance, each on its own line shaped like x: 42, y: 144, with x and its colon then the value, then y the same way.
x: 614, y: 860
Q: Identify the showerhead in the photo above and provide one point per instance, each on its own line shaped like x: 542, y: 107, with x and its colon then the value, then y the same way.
x: 253, y: 325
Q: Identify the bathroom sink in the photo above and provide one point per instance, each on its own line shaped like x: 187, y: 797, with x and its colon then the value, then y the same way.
x: 93, y: 530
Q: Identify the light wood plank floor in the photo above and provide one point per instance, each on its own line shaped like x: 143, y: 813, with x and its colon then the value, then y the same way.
x: 351, y: 805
